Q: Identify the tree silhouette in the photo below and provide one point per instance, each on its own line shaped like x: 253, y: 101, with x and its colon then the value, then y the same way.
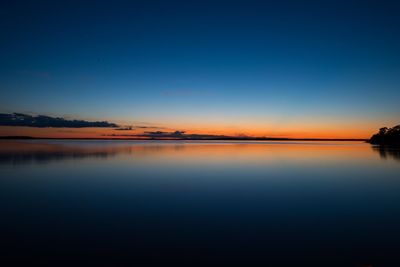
x: 387, y: 136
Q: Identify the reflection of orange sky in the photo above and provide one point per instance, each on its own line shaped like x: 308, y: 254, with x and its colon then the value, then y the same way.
x: 180, y: 152
x: 291, y: 131
x: 256, y: 151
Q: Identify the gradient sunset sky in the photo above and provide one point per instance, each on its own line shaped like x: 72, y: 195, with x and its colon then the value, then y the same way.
x: 327, y: 69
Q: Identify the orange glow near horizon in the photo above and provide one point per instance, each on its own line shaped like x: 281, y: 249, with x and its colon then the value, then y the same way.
x: 293, y: 131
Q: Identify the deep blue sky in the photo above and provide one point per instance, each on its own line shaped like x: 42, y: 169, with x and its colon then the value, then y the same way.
x: 192, y: 64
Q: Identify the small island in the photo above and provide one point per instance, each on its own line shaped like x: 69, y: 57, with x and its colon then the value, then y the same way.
x: 386, y: 136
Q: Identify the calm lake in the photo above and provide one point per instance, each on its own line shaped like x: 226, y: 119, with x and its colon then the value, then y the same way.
x: 140, y: 203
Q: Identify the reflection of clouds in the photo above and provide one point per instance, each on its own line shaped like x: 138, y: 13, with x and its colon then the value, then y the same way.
x: 25, y: 153
x: 18, y: 153
x: 44, y: 157
x: 386, y: 152
x: 176, y: 152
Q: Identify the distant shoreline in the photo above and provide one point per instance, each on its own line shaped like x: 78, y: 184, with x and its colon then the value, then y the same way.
x: 183, y: 139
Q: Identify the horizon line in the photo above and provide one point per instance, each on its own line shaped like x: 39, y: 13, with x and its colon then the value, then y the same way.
x: 183, y: 139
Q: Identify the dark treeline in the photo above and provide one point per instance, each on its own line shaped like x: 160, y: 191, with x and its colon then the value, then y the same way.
x: 387, y: 136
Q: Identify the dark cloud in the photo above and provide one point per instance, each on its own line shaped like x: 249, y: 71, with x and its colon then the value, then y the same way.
x: 41, y: 121
x: 127, y: 128
x: 130, y: 128
x: 179, y: 135
x: 183, y: 135
x: 147, y: 127
x: 159, y: 134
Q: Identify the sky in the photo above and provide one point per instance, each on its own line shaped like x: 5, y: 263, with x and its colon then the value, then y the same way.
x: 323, y: 69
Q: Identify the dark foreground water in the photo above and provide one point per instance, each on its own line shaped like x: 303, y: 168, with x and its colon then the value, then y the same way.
x: 119, y: 203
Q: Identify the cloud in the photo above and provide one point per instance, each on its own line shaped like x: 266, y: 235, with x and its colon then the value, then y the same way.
x: 131, y: 128
x: 183, y: 135
x: 127, y: 128
x: 147, y: 127
x: 179, y: 135
x: 41, y: 121
x: 161, y: 134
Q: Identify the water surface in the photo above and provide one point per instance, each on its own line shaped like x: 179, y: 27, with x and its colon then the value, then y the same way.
x: 127, y: 203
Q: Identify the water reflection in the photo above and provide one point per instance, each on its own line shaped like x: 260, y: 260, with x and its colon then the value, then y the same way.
x: 386, y: 152
x: 30, y: 152
x: 120, y: 203
x: 17, y: 153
